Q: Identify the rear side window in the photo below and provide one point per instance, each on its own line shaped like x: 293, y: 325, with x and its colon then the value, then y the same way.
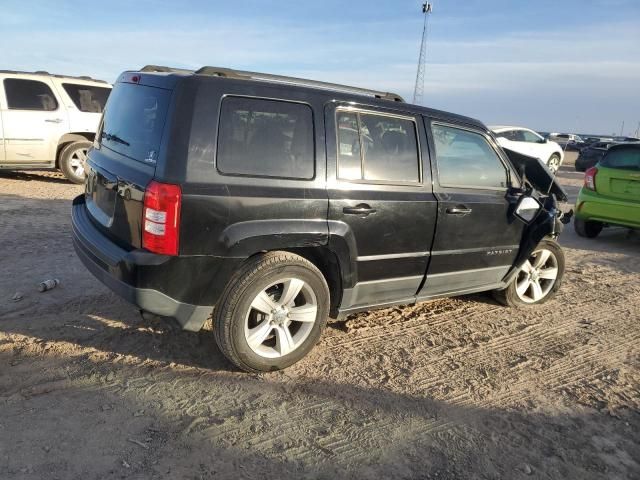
x: 134, y: 119
x: 266, y: 138
x: 29, y: 95
x: 87, y: 98
x: 377, y: 148
x: 465, y: 159
x: 623, y: 158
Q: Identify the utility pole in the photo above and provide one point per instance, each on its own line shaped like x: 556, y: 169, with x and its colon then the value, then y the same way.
x: 418, y: 90
x: 622, y: 128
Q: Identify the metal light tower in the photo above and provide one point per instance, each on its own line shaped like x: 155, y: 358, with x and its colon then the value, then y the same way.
x: 418, y: 91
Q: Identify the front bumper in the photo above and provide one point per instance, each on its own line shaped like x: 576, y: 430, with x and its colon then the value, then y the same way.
x: 159, y: 284
x: 593, y: 206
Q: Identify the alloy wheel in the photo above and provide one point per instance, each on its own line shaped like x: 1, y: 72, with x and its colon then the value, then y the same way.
x: 537, y: 276
x: 280, y: 318
x: 77, y: 161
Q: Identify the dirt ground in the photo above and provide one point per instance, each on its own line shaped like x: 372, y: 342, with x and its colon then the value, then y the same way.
x: 456, y: 388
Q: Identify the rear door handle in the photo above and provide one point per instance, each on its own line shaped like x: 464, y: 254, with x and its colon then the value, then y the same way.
x: 461, y: 210
x: 54, y: 120
x: 360, y: 209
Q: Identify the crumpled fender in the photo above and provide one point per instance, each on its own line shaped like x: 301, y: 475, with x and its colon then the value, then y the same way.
x: 546, y: 224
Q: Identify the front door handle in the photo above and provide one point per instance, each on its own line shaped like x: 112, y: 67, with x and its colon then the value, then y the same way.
x: 54, y: 120
x: 360, y: 209
x: 459, y: 210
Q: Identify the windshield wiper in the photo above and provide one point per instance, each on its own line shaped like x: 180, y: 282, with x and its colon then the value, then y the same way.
x: 114, y: 138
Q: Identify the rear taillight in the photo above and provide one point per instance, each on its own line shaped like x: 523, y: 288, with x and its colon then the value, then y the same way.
x: 161, y: 218
x: 590, y: 178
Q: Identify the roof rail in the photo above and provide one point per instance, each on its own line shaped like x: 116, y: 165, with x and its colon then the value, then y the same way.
x: 267, y: 77
x: 47, y: 74
x: 163, y: 69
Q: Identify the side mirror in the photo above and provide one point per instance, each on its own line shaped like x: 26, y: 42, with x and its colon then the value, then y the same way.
x: 527, y: 208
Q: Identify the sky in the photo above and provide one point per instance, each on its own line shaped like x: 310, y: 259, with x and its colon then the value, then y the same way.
x: 563, y: 65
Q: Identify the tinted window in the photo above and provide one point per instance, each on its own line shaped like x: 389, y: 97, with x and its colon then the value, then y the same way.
x: 266, y: 138
x: 87, y: 98
x: 29, y: 95
x: 377, y: 148
x: 623, y: 158
x: 508, y: 134
x: 465, y: 159
x: 134, y: 120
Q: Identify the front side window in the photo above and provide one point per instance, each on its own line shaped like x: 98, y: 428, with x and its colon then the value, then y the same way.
x: 266, y: 138
x: 87, y: 98
x: 465, y: 159
x: 377, y: 148
x: 530, y: 136
x: 29, y: 95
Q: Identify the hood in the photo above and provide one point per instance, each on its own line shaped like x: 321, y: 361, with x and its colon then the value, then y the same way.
x: 537, y: 174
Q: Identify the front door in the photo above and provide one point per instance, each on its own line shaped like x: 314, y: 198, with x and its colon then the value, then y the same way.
x: 33, y: 120
x: 477, y: 236
x: 381, y: 203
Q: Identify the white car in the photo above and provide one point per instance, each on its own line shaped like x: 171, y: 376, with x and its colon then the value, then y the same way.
x: 49, y: 121
x: 528, y: 142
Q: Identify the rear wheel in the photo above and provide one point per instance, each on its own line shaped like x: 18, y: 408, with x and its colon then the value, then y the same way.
x: 73, y: 160
x: 272, y: 312
x: 587, y: 228
x: 539, y: 277
x: 554, y: 162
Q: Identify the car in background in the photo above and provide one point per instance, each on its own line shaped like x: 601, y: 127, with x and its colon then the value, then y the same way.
x: 49, y: 121
x: 568, y: 141
x: 611, y: 192
x: 590, y: 155
x: 626, y: 139
x: 528, y: 142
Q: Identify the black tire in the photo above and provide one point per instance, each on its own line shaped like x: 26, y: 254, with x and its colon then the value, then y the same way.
x: 587, y: 228
x: 554, y: 159
x: 67, y: 159
x: 509, y: 296
x: 255, y: 275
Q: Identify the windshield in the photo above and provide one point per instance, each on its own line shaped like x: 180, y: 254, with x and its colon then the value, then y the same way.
x: 622, y: 158
x: 134, y: 120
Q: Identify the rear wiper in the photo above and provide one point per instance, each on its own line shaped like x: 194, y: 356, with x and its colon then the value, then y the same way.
x: 114, y: 138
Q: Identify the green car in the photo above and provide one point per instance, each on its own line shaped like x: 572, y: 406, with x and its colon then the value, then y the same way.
x: 611, y: 192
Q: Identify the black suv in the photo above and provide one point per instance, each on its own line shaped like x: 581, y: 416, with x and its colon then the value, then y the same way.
x: 281, y: 201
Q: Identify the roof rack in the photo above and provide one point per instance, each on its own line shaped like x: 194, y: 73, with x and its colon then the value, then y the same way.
x: 267, y: 77
x: 47, y: 74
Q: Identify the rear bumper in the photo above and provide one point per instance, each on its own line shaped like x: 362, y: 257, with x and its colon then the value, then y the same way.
x: 160, y: 284
x: 595, y: 207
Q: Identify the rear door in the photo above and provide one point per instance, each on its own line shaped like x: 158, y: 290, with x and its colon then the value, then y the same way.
x: 619, y: 174
x: 380, y: 200
x: 33, y: 122
x: 123, y: 160
x: 85, y: 103
x: 476, y: 238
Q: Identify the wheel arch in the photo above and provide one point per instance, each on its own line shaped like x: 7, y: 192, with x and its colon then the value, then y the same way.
x: 71, y: 137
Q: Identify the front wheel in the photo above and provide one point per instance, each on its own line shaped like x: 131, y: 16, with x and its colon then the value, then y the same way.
x: 539, y: 277
x: 272, y: 312
x: 73, y: 160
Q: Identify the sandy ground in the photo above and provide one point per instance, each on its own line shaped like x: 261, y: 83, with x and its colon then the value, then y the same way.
x: 456, y: 388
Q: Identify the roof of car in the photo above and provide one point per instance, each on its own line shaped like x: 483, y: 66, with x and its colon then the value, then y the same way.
x: 502, y: 128
x: 312, y: 85
x: 621, y: 146
x: 85, y: 78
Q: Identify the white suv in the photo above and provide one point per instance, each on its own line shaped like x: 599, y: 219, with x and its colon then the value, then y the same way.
x: 528, y: 142
x: 49, y: 121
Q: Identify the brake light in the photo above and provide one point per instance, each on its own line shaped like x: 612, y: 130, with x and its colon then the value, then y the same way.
x: 590, y: 178
x: 161, y: 218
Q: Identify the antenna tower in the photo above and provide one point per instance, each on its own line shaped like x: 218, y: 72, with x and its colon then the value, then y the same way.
x: 418, y: 91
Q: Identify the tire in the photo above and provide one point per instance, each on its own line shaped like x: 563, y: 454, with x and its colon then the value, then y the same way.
x: 554, y: 162
x: 72, y: 160
x: 587, y: 228
x: 517, y: 294
x: 252, y: 306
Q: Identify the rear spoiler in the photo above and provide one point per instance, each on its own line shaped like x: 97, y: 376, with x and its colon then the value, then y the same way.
x: 537, y: 174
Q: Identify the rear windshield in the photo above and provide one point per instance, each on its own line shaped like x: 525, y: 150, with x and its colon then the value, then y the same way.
x: 134, y: 119
x: 87, y: 98
x: 626, y: 159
